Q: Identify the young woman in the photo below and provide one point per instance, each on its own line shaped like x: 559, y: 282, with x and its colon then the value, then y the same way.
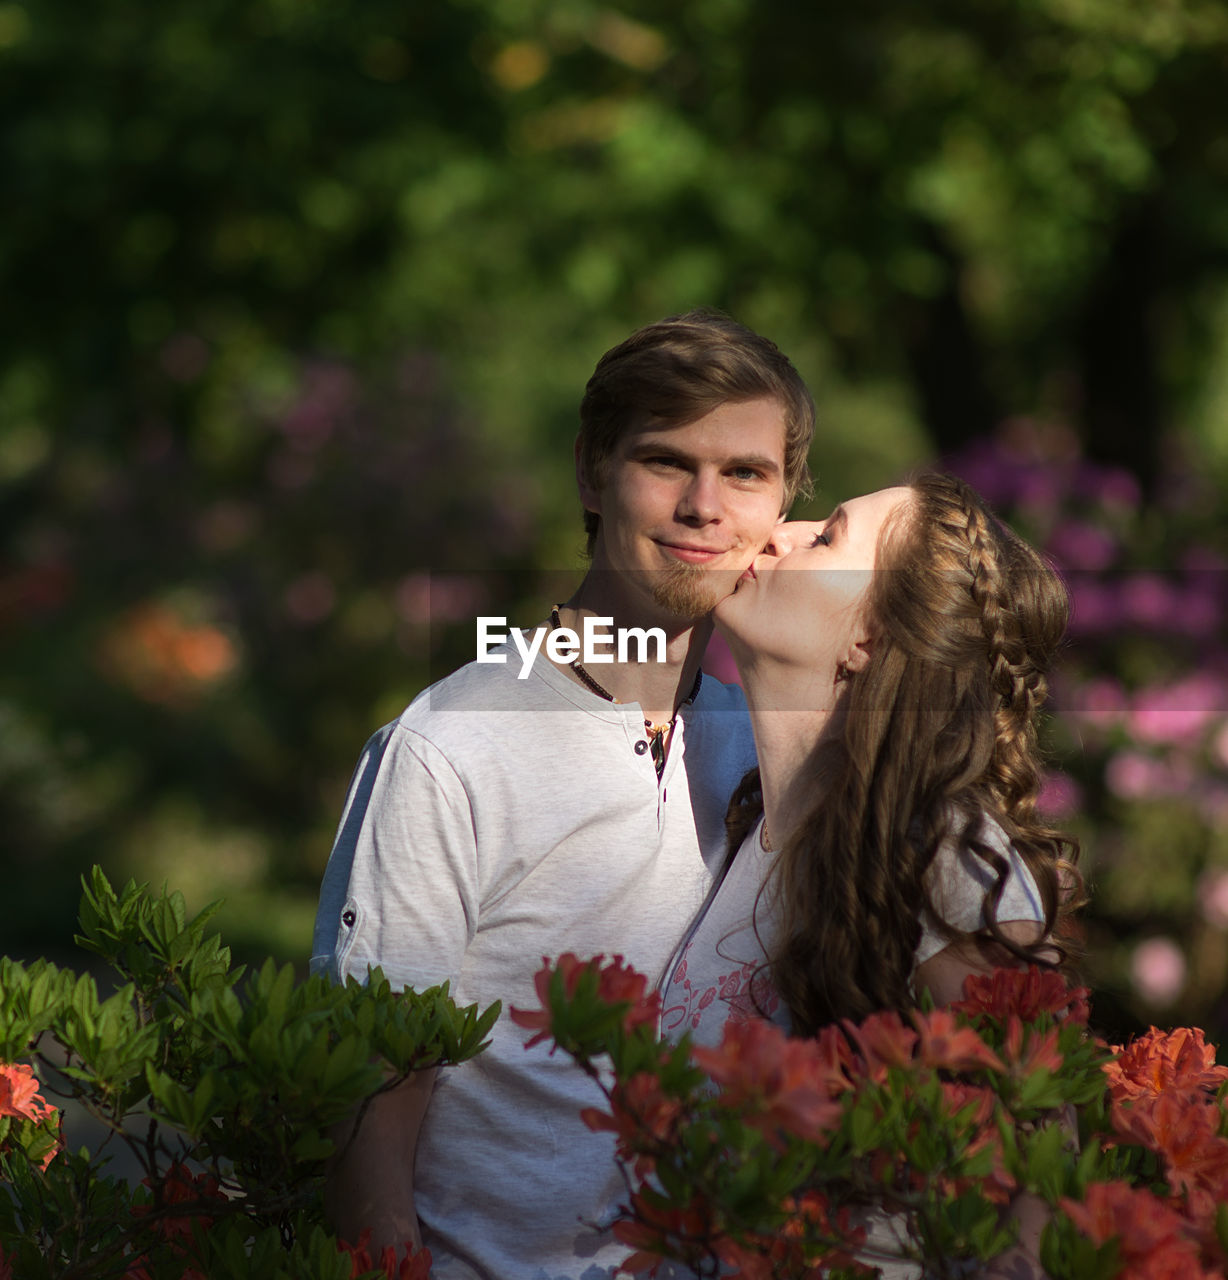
x: 889, y: 841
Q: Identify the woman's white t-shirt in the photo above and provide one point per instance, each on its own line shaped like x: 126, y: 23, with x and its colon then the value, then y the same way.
x: 719, y: 972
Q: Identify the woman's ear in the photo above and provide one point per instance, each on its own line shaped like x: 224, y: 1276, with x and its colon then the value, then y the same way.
x: 590, y: 497
x: 859, y: 653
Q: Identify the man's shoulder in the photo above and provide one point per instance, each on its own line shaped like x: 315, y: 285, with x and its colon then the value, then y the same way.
x: 477, y: 686
x: 487, y: 702
x: 717, y: 698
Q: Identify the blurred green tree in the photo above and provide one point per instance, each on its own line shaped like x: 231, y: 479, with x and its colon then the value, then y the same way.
x: 303, y: 297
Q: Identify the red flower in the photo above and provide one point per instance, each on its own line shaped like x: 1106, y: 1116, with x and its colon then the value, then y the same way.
x: 360, y: 1253
x: 414, y: 1266
x: 781, y: 1084
x: 541, y: 1020
x: 6, y: 1267
x: 1042, y: 1052
x: 191, y: 1191
x: 617, y: 983
x: 805, y: 1248
x: 812, y: 1216
x: 958, y: 1094
x: 1025, y: 992
x: 1153, y: 1240
x: 885, y: 1041
x: 641, y: 1114
x: 1162, y: 1060
x: 658, y: 1227
x: 949, y: 1047
x: 621, y: 984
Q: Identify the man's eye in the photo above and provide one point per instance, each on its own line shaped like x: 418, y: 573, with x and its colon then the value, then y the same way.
x: 745, y: 473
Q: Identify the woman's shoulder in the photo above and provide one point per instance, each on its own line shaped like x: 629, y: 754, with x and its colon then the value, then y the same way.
x: 966, y: 869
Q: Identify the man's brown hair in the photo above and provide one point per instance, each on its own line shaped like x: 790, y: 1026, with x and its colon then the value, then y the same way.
x: 675, y: 371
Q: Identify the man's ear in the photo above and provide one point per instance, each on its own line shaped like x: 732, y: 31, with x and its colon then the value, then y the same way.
x: 590, y: 497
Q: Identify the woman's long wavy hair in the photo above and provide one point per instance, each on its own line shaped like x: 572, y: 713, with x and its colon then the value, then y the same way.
x: 939, y: 730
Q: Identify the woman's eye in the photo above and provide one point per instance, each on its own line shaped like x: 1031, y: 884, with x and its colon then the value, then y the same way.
x: 821, y: 540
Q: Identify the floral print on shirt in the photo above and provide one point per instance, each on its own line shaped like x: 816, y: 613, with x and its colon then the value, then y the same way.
x: 744, y: 991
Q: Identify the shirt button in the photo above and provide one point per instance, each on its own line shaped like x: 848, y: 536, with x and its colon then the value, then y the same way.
x: 348, y: 918
x: 641, y: 747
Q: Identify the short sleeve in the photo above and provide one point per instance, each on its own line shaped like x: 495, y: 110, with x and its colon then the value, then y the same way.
x: 401, y: 886
x: 958, y: 881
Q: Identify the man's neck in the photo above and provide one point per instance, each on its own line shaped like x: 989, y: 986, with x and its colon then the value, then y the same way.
x: 658, y: 686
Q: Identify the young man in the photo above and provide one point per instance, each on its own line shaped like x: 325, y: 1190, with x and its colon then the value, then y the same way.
x: 501, y: 820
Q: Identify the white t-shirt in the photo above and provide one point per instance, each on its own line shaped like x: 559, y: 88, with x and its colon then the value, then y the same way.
x: 718, y: 973
x: 496, y: 822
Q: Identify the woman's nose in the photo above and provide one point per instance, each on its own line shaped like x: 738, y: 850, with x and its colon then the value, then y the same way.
x: 790, y: 534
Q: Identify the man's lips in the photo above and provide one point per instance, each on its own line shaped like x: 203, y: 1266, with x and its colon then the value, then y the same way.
x: 693, y: 555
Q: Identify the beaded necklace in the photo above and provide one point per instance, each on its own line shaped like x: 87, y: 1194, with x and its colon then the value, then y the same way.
x: 658, y: 734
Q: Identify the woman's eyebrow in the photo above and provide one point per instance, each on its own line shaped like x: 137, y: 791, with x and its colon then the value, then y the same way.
x: 838, y: 520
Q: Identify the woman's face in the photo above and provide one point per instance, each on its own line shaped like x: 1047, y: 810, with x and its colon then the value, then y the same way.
x: 816, y: 618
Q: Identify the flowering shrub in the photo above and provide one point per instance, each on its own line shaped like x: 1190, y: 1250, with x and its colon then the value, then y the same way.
x: 903, y: 1137
x: 224, y: 1088
x: 1140, y: 730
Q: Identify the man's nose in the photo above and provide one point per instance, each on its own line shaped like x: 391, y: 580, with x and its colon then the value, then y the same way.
x: 701, y: 499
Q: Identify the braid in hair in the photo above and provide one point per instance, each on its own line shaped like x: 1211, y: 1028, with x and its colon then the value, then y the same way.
x: 1015, y: 677
x: 937, y: 734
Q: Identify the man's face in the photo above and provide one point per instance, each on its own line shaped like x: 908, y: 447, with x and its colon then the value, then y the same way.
x: 684, y: 510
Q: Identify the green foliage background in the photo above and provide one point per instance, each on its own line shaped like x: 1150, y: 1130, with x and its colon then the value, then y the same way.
x: 302, y: 297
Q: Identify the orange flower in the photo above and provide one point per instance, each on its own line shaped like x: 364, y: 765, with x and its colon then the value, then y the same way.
x: 162, y: 658
x: 1185, y: 1132
x: 21, y: 1100
x: 1025, y: 992
x: 949, y: 1047
x: 641, y: 1113
x: 1161, y: 1060
x: 1153, y: 1240
x: 617, y: 983
x: 19, y: 1095
x: 781, y: 1084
